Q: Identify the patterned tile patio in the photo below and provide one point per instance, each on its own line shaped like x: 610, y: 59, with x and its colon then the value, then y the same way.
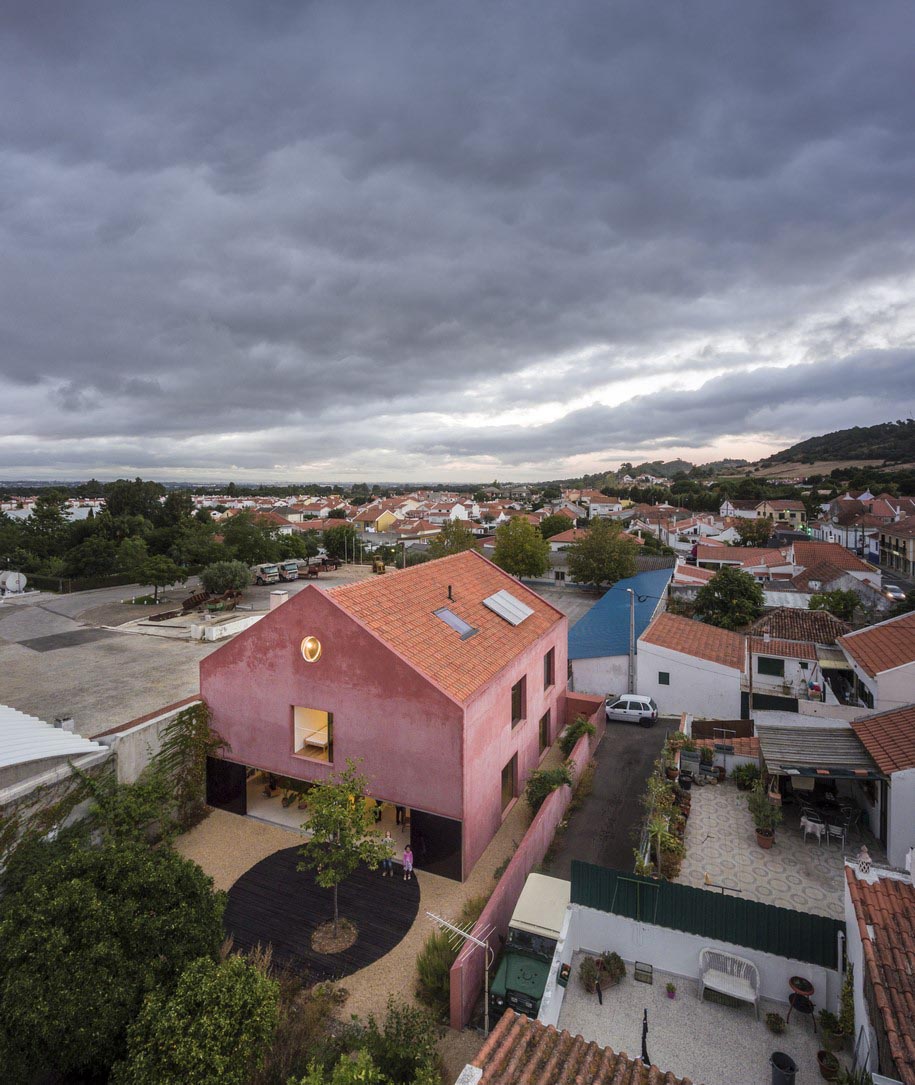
x: 720, y: 840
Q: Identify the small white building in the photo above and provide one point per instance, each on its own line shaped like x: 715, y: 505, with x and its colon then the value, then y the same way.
x: 889, y: 737
x: 688, y: 666
x: 882, y: 657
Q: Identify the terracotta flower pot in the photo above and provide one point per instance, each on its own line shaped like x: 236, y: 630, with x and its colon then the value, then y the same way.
x: 829, y: 1065
x: 765, y: 838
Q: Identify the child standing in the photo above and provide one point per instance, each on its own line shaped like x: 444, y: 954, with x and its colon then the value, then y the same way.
x: 387, y: 863
x: 407, y: 863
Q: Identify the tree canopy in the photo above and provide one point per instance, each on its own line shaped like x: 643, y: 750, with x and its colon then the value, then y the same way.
x: 213, y: 1029
x: 755, y: 532
x: 221, y: 576
x: 602, y: 555
x: 842, y: 604
x: 454, y: 537
x: 520, y: 548
x: 85, y: 932
x: 555, y: 524
x: 732, y: 599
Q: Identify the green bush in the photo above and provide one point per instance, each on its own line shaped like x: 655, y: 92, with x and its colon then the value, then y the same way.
x: 404, y: 1047
x: 745, y: 776
x: 214, y: 1028
x: 543, y: 782
x: 570, y: 736
x: 433, y: 964
x: 221, y: 576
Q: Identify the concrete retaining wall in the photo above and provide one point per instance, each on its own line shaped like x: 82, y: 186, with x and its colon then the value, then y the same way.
x: 136, y: 743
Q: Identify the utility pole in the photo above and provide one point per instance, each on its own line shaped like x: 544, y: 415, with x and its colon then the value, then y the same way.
x: 631, y: 640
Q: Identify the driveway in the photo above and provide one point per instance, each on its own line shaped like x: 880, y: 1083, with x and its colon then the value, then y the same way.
x: 605, y: 828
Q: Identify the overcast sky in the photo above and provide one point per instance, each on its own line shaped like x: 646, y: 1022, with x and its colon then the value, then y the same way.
x: 449, y: 240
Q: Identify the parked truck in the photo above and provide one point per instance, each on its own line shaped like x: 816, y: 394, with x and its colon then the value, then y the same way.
x: 289, y: 570
x: 533, y: 932
x: 267, y: 573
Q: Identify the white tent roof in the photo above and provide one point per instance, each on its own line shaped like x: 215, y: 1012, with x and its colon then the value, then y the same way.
x: 26, y: 738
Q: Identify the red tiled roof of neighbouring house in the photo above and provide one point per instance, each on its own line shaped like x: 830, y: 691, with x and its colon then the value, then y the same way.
x: 823, y: 572
x: 399, y: 608
x: 573, y: 534
x: 789, y: 623
x: 885, y: 910
x: 744, y: 747
x: 696, y: 639
x: 692, y: 574
x: 522, y: 1051
x: 784, y: 649
x: 809, y: 553
x: 784, y: 504
x: 271, y: 517
x: 882, y: 647
x: 321, y: 525
x: 889, y: 737
x: 903, y: 529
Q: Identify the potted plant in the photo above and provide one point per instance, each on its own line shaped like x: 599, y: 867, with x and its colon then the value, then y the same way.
x: 588, y: 974
x: 613, y: 967
x: 745, y: 776
x: 765, y: 815
x: 775, y: 1023
x: 833, y: 1040
x: 828, y: 1064
x: 671, y: 990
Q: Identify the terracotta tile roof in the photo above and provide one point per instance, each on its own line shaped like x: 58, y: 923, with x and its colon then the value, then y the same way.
x: 747, y: 747
x: 696, y: 639
x: 809, y: 553
x: 904, y: 529
x: 889, y: 737
x: 321, y: 525
x: 522, y: 1051
x: 883, y: 646
x: 784, y: 504
x: 789, y: 623
x: 824, y: 572
x: 885, y: 910
x: 400, y: 606
x: 692, y: 574
x: 573, y: 534
x: 784, y: 649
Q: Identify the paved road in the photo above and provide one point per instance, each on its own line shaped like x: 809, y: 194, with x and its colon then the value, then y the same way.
x: 605, y: 828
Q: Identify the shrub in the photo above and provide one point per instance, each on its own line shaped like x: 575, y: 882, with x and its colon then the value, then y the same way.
x: 222, y: 576
x: 570, y: 736
x: 614, y: 968
x: 212, y: 1030
x: 588, y: 974
x: 745, y: 776
x: 543, y: 782
x: 775, y: 1023
x: 433, y: 964
x: 765, y: 815
x: 404, y: 1047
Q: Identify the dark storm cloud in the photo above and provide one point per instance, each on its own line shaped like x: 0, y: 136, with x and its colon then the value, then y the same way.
x: 256, y: 229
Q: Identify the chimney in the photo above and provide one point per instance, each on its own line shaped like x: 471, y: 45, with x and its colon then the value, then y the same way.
x: 277, y: 598
x: 65, y: 723
x: 450, y: 596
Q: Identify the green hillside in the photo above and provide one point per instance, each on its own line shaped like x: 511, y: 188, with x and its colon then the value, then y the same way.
x: 892, y: 441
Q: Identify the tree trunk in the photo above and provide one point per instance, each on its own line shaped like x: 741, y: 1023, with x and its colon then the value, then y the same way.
x: 336, y: 913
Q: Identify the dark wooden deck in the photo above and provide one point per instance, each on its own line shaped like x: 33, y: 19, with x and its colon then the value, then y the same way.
x: 273, y: 902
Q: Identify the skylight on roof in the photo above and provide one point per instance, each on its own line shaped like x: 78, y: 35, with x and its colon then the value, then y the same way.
x: 457, y: 624
x: 509, y: 608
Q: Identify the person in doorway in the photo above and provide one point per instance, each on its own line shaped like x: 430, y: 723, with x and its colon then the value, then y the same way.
x: 400, y: 815
x: 407, y: 863
x: 387, y: 863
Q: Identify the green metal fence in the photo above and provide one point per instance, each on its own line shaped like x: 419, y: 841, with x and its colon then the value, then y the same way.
x: 782, y: 931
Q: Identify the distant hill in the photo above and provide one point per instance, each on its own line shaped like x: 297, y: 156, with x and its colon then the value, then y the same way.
x: 893, y: 441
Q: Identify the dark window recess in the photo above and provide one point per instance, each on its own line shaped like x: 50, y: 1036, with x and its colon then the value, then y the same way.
x: 519, y: 698
x: 773, y: 667
x: 663, y: 678
x: 226, y: 786
x: 544, y: 731
x: 509, y: 782
x: 549, y: 669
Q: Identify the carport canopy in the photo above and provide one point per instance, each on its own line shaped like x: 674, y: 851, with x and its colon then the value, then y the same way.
x: 816, y: 752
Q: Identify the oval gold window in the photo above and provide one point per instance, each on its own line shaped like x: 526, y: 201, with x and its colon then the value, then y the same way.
x: 311, y: 649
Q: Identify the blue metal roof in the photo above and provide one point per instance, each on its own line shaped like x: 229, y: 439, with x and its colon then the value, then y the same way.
x: 604, y: 630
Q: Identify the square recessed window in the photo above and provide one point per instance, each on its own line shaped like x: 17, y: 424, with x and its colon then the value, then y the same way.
x: 663, y: 678
x: 313, y: 733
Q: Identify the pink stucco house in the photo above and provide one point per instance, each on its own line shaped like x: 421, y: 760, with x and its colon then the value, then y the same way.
x: 447, y: 680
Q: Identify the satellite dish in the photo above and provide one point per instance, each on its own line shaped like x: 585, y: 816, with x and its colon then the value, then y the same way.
x: 12, y: 582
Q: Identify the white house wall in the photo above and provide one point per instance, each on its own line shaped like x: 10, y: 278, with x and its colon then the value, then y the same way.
x: 896, y: 687
x: 697, y: 686
x: 901, y: 819
x: 601, y: 675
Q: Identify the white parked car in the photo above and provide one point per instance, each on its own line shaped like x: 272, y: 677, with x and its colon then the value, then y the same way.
x: 893, y: 592
x: 633, y: 708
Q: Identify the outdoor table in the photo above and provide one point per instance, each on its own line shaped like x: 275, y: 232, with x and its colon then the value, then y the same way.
x: 803, y: 1005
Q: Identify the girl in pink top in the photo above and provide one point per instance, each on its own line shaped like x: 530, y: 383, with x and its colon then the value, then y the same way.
x: 407, y: 863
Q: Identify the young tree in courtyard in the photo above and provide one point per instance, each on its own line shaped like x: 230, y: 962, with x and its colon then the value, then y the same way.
x: 731, y: 599
x: 454, y: 538
x: 842, y: 604
x: 520, y: 548
x: 602, y: 555
x: 342, y: 831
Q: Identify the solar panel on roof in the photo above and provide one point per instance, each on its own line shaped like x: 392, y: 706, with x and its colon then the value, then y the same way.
x: 508, y: 607
x: 457, y: 624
